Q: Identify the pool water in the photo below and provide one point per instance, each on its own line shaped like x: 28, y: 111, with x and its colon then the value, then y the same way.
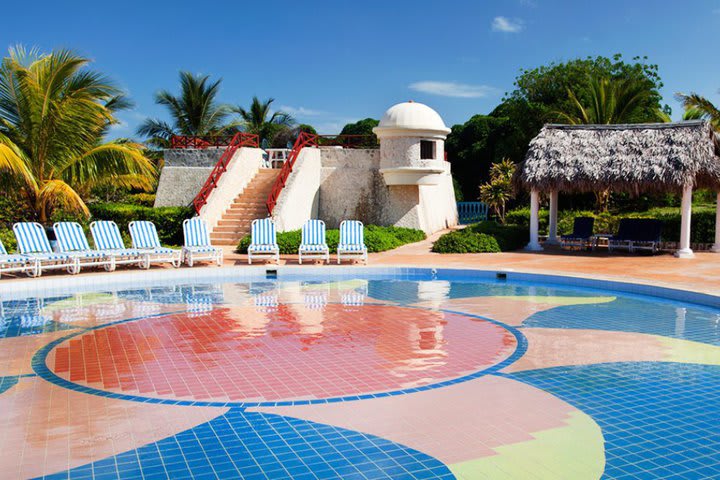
x: 359, y: 378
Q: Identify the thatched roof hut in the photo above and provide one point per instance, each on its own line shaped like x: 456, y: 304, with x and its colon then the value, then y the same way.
x: 631, y: 158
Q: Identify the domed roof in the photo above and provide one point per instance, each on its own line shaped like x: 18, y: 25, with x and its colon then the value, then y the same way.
x: 411, y: 116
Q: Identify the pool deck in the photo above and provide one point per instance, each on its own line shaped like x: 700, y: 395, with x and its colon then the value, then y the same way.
x: 699, y: 274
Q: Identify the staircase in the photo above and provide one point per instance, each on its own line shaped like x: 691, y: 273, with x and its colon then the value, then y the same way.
x: 249, y: 205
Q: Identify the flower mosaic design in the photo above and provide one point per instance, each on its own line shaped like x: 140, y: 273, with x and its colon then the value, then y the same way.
x: 393, y: 378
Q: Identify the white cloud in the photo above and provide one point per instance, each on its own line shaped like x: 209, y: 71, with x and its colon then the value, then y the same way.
x: 301, y: 111
x: 507, y: 25
x: 452, y: 89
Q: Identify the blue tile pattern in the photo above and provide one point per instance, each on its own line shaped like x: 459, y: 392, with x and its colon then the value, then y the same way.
x: 659, y: 420
x: 258, y: 446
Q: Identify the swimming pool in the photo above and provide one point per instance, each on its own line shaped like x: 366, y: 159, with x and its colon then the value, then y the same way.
x: 362, y: 374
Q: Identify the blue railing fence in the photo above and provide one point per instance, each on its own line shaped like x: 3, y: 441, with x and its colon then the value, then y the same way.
x: 472, y: 212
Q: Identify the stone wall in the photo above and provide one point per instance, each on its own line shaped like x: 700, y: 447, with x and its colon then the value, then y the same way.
x: 184, y: 174
x: 350, y: 186
x: 193, y: 157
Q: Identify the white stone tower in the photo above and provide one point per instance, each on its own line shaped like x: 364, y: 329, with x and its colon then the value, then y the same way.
x: 412, y: 163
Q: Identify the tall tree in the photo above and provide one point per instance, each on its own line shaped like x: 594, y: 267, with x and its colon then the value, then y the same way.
x: 541, y: 92
x: 194, y: 112
x: 54, y: 113
x: 262, y: 121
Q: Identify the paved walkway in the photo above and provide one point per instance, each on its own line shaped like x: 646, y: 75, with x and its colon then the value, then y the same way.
x: 701, y: 273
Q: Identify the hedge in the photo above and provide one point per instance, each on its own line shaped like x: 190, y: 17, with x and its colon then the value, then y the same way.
x: 8, y: 239
x: 168, y: 220
x: 377, y: 239
x: 509, y: 237
x: 702, y: 228
x: 466, y: 241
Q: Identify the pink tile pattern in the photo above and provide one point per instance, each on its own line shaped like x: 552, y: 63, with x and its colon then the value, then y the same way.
x: 221, y: 356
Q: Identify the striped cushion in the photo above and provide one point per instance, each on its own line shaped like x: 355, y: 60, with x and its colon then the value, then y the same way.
x: 144, y: 235
x: 351, y: 236
x: 263, y: 234
x: 71, y: 237
x: 313, y: 248
x: 31, y: 238
x: 351, y: 248
x: 207, y: 249
x: 52, y: 256
x: 196, y: 234
x: 263, y: 248
x: 106, y: 235
x: 313, y: 233
x: 6, y: 259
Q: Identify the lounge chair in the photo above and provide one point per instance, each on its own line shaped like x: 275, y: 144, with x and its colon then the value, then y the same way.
x: 197, y: 243
x: 637, y: 234
x: 71, y: 239
x: 313, y: 242
x: 263, y: 240
x: 16, y: 262
x: 33, y: 242
x: 352, y: 243
x: 107, y: 238
x: 145, y: 238
x: 581, y: 235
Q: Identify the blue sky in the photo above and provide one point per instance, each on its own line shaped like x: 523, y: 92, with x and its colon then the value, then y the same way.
x: 332, y: 62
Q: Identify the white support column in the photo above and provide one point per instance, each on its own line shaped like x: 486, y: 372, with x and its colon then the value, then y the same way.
x: 552, y: 228
x: 685, y: 251
x: 534, y: 245
x: 716, y: 247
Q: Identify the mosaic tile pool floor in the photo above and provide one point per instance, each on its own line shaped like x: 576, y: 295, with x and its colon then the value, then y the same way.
x: 359, y: 379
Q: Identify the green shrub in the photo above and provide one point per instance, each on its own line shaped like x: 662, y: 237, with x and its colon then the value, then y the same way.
x: 142, y: 199
x: 702, y: 228
x: 508, y: 237
x: 8, y: 239
x: 466, y: 241
x: 377, y: 239
x: 168, y: 220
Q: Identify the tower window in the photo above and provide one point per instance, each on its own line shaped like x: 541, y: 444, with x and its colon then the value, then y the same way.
x: 427, y: 150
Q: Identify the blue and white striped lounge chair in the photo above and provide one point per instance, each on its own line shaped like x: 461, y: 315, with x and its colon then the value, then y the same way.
x: 352, y: 243
x: 16, y: 262
x: 108, y: 239
x: 145, y: 238
x: 71, y: 239
x: 197, y: 243
x: 313, y: 242
x: 33, y: 242
x: 263, y: 240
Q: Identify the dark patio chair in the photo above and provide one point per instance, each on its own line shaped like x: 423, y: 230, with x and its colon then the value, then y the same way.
x: 581, y: 235
x: 637, y: 234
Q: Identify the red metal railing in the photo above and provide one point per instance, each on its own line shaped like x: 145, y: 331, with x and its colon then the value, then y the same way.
x: 202, y: 141
x: 303, y: 140
x: 239, y: 140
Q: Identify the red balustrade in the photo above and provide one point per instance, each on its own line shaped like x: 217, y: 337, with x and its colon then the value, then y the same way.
x: 303, y: 140
x: 238, y: 140
x: 202, y: 141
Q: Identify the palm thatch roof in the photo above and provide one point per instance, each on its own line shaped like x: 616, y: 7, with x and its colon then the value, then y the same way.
x: 632, y: 158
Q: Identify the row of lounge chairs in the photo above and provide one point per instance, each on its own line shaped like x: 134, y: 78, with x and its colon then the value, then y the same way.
x: 73, y: 249
x: 36, y: 254
x: 313, y: 244
x: 633, y: 234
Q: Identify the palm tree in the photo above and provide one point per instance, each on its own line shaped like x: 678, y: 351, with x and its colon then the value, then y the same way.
x: 612, y: 100
x: 498, y: 191
x: 698, y: 107
x: 54, y: 113
x: 259, y: 119
x: 195, y: 112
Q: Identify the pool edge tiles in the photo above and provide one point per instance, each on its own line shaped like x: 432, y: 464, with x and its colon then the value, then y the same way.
x: 40, y: 367
x: 13, y: 289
